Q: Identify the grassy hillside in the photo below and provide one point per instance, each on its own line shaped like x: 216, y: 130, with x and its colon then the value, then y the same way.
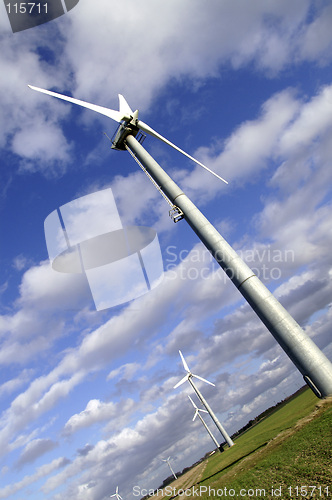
x: 288, y: 450
x: 280, y: 454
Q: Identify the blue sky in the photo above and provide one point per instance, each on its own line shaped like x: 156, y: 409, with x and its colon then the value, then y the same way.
x: 86, y: 397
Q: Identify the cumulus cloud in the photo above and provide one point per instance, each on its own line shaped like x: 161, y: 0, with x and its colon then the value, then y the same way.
x: 15, y: 383
x: 41, y: 472
x: 29, y: 132
x: 34, y: 450
x: 42, y: 293
x: 96, y: 411
x: 40, y: 145
x: 126, y: 371
x: 315, y: 40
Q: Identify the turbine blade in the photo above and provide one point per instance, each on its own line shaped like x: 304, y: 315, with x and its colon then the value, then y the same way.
x: 196, y: 413
x: 118, y: 116
x: 204, y: 411
x: 146, y: 128
x: 182, y: 381
x: 186, y: 367
x: 203, y: 379
x: 192, y: 402
x: 124, y: 106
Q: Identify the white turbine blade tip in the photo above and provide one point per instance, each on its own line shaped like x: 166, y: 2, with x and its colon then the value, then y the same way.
x: 111, y: 113
x: 192, y: 402
x: 152, y: 132
x: 203, y: 380
x: 186, y: 367
x: 182, y: 381
x: 124, y: 106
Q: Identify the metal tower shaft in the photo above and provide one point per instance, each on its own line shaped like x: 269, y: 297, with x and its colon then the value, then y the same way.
x: 307, y: 357
x: 208, y: 430
x: 211, y: 413
x: 171, y: 469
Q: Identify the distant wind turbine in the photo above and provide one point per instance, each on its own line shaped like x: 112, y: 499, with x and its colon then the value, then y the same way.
x: 169, y: 465
x: 116, y: 494
x: 197, y: 414
x: 189, y: 376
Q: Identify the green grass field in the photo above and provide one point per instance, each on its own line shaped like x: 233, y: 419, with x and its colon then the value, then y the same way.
x: 281, y: 454
x: 285, y: 456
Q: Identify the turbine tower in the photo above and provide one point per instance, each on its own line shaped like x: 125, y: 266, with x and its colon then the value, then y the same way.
x: 116, y: 494
x: 169, y: 465
x: 189, y: 377
x: 197, y: 414
x: 307, y: 357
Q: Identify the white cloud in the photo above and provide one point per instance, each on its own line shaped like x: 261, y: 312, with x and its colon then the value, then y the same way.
x: 96, y: 411
x: 315, y: 40
x: 247, y: 152
x: 15, y: 383
x: 35, y: 449
x: 26, y: 129
x: 313, y: 119
x: 126, y: 371
x: 41, y: 143
x: 41, y: 472
x: 20, y: 262
x: 43, y: 293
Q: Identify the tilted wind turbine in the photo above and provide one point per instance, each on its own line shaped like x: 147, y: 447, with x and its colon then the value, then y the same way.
x: 197, y: 414
x: 129, y: 117
x: 169, y: 465
x: 315, y: 367
x: 116, y: 494
x: 189, y: 376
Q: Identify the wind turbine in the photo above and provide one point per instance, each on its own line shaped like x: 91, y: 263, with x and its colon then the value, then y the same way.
x: 307, y: 357
x: 197, y: 414
x: 116, y: 494
x: 189, y: 376
x: 169, y: 465
x: 129, y: 118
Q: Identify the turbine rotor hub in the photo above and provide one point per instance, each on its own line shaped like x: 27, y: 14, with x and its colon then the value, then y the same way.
x: 122, y: 132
